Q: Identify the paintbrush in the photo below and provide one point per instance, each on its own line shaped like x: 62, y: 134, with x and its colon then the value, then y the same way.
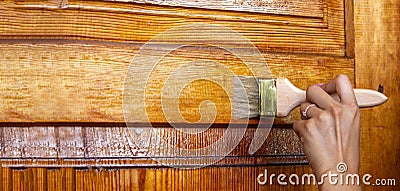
x: 270, y: 98
x: 254, y: 97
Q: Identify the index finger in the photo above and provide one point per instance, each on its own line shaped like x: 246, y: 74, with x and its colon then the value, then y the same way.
x: 342, y: 86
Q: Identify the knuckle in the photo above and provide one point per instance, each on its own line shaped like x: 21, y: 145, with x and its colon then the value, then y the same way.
x: 302, y: 128
x: 324, y: 118
x: 342, y: 77
x: 311, y: 89
x: 355, y: 110
x: 354, y: 107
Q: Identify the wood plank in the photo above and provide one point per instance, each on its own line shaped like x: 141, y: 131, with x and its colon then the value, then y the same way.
x: 379, y: 138
x: 211, y: 178
x: 40, y: 178
x: 80, y: 181
x: 235, y: 178
x: 6, y: 178
x: 18, y: 179
x: 123, y: 147
x: 349, y: 26
x: 70, y: 142
x: 84, y: 82
x: 51, y: 178
x: 377, y: 63
x: 41, y: 142
x: 127, y: 22
x: 309, y: 8
x: 70, y: 179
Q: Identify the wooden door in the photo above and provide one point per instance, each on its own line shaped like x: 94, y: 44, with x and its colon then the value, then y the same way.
x: 64, y: 65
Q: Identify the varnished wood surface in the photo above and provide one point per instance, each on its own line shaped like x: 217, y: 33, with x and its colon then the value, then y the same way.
x: 376, y: 42
x: 128, y: 22
x: 83, y: 146
x: 236, y: 178
x: 84, y: 82
x: 377, y: 37
x: 310, y: 8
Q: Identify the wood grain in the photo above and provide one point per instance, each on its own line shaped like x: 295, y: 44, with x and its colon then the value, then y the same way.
x: 377, y: 63
x: 84, y: 82
x: 349, y: 27
x: 121, y: 147
x: 236, y: 178
x: 310, y: 8
x: 128, y: 22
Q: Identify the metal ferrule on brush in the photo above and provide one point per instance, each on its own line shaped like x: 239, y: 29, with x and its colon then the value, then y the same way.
x: 267, y: 97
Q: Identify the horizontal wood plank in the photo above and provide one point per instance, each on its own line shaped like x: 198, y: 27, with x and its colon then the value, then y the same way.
x: 107, y: 146
x: 165, y: 179
x: 131, y: 22
x: 84, y: 82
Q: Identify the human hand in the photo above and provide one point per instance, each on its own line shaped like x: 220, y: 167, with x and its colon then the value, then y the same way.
x: 331, y: 134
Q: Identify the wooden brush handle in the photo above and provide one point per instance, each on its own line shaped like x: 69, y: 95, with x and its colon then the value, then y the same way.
x: 289, y: 96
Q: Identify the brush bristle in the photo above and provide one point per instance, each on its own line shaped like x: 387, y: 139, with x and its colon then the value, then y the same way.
x: 245, y: 97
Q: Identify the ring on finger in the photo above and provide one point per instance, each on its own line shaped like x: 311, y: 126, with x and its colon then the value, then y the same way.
x: 304, y: 113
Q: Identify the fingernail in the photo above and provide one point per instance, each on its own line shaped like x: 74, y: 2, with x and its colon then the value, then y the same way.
x: 320, y: 85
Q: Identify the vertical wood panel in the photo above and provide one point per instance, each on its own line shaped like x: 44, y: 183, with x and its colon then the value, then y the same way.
x: 6, y: 178
x: 377, y: 33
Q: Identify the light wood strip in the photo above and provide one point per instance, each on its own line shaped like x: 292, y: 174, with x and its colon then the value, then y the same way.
x: 84, y: 83
x: 310, y: 8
